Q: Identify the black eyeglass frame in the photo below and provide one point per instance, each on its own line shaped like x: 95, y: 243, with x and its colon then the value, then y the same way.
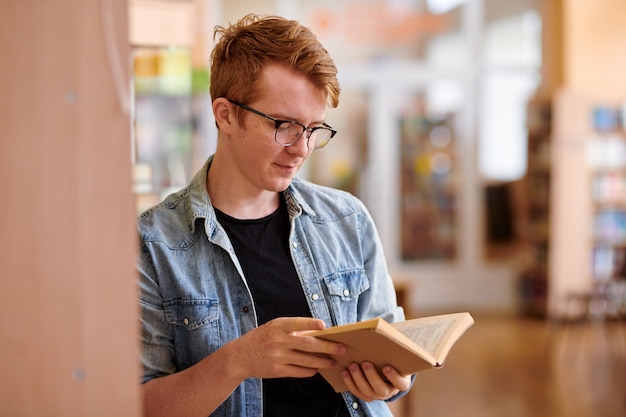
x: 279, y: 122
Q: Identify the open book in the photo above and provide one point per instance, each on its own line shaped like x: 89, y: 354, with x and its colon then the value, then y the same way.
x: 409, y: 346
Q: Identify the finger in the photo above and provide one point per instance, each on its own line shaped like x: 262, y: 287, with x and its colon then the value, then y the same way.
x: 400, y: 382
x: 307, y: 351
x: 307, y: 343
x: 351, y: 385
x: 308, y: 360
x: 381, y: 387
x: 295, y: 371
x: 300, y: 324
x: 361, y: 384
x: 293, y: 363
x: 368, y: 384
x: 321, y: 346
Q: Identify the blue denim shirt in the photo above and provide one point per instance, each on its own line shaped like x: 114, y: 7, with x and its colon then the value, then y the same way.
x: 194, y: 297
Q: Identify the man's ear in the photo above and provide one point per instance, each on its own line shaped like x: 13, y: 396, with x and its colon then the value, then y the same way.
x: 224, y: 114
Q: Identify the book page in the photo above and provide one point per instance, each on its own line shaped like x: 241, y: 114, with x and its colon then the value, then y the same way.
x: 434, y: 334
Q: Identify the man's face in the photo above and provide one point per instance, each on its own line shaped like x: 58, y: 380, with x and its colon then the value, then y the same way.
x: 262, y: 163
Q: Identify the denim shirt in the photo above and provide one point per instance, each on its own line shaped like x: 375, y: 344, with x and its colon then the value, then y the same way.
x: 194, y: 297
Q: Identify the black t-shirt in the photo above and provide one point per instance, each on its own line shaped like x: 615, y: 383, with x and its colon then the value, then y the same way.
x: 262, y: 246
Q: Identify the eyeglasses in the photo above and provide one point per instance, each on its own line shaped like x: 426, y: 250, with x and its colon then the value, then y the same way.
x: 288, y: 132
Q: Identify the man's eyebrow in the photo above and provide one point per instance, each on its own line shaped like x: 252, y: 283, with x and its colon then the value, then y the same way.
x: 291, y: 119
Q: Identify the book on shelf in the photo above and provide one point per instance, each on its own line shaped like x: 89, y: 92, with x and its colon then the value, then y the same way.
x: 410, y: 346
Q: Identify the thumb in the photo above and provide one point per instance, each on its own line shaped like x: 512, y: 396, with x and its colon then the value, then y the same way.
x: 303, y: 324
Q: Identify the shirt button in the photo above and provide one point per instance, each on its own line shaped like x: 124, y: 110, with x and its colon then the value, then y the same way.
x: 315, y: 297
x: 346, y: 293
x: 186, y: 321
x: 295, y: 245
x: 355, y: 405
x: 246, y: 309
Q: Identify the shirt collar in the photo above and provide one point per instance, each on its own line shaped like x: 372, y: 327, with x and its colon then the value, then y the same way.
x: 199, y: 202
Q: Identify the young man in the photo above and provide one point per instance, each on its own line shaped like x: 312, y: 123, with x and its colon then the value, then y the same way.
x: 236, y: 267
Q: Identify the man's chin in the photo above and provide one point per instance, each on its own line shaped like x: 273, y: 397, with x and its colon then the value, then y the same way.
x: 280, y: 186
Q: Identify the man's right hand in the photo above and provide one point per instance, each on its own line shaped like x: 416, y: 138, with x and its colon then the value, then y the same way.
x: 280, y: 348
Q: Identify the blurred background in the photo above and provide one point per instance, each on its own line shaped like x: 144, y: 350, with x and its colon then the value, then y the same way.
x: 464, y: 126
x: 486, y: 137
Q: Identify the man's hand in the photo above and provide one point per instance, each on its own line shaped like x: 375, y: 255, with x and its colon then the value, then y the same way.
x: 366, y: 383
x: 280, y: 348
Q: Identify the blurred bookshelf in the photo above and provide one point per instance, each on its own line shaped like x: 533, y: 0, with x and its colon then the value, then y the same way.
x: 533, y: 285
x: 171, y: 109
x: 586, y: 245
x: 428, y: 184
x: 607, y: 158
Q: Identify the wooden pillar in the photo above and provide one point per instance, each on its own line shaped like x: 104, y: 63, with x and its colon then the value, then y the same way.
x: 68, y: 322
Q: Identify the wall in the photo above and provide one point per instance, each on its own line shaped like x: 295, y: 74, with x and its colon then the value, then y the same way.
x: 595, y: 48
x: 68, y: 313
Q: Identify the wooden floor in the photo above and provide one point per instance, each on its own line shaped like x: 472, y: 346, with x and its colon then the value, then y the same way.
x: 524, y: 367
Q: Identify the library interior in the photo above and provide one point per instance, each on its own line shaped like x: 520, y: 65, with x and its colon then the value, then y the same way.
x: 487, y: 139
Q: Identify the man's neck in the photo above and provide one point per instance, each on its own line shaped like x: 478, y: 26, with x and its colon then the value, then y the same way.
x: 237, y: 200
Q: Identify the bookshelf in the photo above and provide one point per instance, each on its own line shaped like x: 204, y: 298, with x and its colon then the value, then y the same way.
x: 534, y: 276
x: 586, y: 262
x: 428, y: 172
x: 170, y: 123
x: 607, y: 160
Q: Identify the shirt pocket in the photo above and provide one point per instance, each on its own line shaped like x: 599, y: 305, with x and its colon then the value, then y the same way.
x: 344, y: 289
x: 195, y: 326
